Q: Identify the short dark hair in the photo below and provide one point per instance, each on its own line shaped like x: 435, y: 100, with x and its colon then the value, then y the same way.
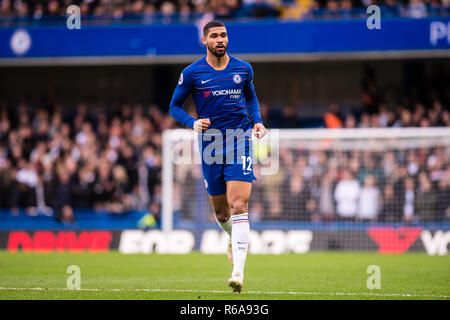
x: 211, y: 24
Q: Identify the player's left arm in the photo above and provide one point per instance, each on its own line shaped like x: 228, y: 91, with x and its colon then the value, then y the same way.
x: 252, y: 105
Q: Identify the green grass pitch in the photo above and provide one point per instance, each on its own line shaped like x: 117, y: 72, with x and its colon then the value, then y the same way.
x: 197, y: 276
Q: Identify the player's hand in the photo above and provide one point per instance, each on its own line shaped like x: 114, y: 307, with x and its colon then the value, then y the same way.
x: 259, y: 130
x: 201, y: 125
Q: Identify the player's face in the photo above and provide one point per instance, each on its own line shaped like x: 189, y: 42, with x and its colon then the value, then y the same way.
x: 217, y: 41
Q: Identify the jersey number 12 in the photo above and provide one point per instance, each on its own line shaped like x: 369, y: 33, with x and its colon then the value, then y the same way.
x: 244, y: 163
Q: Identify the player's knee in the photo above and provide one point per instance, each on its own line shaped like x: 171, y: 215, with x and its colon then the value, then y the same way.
x: 222, y: 215
x: 239, y: 206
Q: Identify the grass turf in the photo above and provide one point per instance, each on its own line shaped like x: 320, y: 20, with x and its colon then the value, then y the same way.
x: 196, y: 276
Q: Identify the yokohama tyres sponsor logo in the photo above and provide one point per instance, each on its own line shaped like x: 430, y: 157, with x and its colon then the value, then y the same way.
x: 225, y: 92
x: 60, y: 241
x: 233, y: 93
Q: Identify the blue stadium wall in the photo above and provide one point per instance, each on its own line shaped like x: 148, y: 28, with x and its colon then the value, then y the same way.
x: 268, y: 39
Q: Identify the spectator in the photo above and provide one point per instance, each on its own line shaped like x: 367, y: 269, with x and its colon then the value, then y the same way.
x: 346, y: 9
x: 275, y: 209
x: 425, y: 200
x: 346, y: 195
x: 443, y: 200
x: 369, y: 200
x: 168, y: 11
x: 436, y: 7
x: 350, y: 121
x: 83, y: 188
x: 409, y: 200
x: 23, y: 191
x: 326, y: 201
x: 332, y: 9
x: 371, y: 93
x: 333, y: 118
x: 294, y: 200
x: 405, y: 119
x: 312, y: 211
x: 390, y: 9
x: 416, y: 9
x: 369, y: 168
x: 364, y: 121
x: 104, y: 187
x: 391, y: 207
x: 62, y: 201
x: 53, y: 7
x: 262, y: 9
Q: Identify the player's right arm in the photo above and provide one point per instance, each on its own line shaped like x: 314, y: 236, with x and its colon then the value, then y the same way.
x: 176, y: 110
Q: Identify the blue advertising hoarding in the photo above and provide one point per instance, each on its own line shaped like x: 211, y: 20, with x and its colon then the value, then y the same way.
x: 257, y: 38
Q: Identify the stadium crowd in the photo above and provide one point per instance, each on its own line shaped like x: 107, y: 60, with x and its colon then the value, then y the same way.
x: 168, y: 11
x: 54, y: 160
x: 396, y: 185
x: 62, y: 160
x: 393, y: 185
x: 388, y: 8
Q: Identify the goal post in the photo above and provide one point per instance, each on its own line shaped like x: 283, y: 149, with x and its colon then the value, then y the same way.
x: 329, y: 181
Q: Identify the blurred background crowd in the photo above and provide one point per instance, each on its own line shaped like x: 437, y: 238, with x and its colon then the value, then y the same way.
x: 55, y: 159
x: 408, y: 185
x: 167, y: 11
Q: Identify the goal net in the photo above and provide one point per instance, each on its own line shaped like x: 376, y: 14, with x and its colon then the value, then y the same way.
x: 385, y: 190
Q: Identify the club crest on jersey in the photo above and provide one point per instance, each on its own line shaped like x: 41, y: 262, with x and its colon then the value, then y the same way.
x: 237, y: 79
x: 180, y: 80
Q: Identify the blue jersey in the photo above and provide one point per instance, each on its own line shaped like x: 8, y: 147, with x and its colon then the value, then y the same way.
x: 227, y: 97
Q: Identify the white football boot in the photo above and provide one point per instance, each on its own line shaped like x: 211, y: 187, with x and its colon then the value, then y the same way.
x: 236, y: 281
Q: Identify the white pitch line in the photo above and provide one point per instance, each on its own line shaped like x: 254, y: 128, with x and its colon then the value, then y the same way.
x: 249, y: 292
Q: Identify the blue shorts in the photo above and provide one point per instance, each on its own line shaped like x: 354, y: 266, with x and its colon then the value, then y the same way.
x: 237, y: 165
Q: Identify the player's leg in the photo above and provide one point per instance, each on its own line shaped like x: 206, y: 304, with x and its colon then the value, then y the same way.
x: 223, y: 218
x: 238, y: 195
x: 216, y: 189
x: 221, y: 211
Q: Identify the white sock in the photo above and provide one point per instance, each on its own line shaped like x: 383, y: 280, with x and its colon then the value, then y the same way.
x: 239, y: 240
x: 226, y: 226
